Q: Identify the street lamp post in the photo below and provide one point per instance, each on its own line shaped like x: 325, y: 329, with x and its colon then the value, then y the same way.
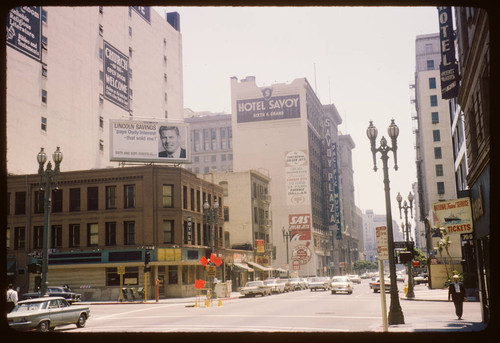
x: 286, y: 238
x: 211, y: 217
x: 410, y: 293
x: 46, y: 176
x: 395, y: 313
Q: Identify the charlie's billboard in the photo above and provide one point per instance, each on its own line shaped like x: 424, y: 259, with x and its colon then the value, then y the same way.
x: 148, y: 141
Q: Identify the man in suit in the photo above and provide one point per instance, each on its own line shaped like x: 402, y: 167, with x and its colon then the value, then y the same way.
x: 456, y: 291
x: 170, y: 139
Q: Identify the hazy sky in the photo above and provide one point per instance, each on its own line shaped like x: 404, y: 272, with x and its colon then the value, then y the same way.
x: 362, y: 59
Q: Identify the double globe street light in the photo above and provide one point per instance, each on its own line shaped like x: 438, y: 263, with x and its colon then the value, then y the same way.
x: 46, y: 176
x: 395, y: 313
x: 406, y: 226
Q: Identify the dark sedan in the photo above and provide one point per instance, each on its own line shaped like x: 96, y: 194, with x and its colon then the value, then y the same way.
x: 53, y: 291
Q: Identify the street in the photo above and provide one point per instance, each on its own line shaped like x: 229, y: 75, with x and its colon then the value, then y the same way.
x: 300, y: 311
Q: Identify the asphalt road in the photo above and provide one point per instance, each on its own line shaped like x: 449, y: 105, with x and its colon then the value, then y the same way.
x: 300, y: 311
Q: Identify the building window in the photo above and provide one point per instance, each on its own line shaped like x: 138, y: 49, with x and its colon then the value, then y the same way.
x: 101, y: 11
x: 129, y: 199
x: 428, y: 48
x: 131, y: 276
x: 74, y: 199
x: 74, y: 235
x: 44, y: 96
x: 38, y: 202
x: 166, y: 97
x: 101, y: 122
x: 439, y: 170
x: 430, y: 64
x: 57, y: 200
x: 173, y: 278
x: 129, y: 31
x: 436, y: 135
x: 184, y: 197
x: 129, y: 51
x: 110, y: 239
x: 437, y: 153
x: 168, y: 196
x: 44, y: 69
x: 130, y: 74
x: 101, y: 30
x: 101, y: 145
x: 168, y: 232
x: 38, y: 237
x: 432, y: 83
x: 434, y: 100
x: 100, y: 53
x: 56, y: 236
x: 45, y: 43
x: 440, y: 187
x: 110, y: 197
x: 129, y: 233
x: 435, y: 117
x: 92, y: 198
x: 101, y: 99
x: 92, y: 234
x: 19, y: 238
x: 43, y: 124
x: 20, y: 203
x: 192, y: 199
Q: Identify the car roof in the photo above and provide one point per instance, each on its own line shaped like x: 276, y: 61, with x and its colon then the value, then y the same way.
x: 39, y: 299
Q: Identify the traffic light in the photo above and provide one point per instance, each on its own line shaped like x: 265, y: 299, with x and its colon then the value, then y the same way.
x: 34, y: 268
x: 147, y: 257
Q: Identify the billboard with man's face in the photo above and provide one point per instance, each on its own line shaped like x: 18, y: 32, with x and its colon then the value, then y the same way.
x: 149, y: 141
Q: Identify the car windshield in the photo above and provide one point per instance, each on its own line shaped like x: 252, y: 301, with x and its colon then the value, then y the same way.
x: 294, y: 279
x: 270, y: 282
x: 316, y: 279
x: 32, y: 306
x: 254, y: 283
x: 340, y: 279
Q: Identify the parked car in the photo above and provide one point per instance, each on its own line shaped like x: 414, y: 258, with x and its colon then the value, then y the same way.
x: 54, y: 291
x: 354, y: 278
x: 46, y: 313
x: 341, y: 284
x: 276, y: 286
x: 376, y: 284
x: 420, y: 279
x: 372, y: 280
x: 304, y: 282
x: 287, y: 283
x: 252, y: 288
x: 319, y: 282
x: 296, y: 284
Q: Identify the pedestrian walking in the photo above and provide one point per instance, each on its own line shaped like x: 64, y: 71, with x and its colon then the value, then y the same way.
x: 456, y: 291
x: 11, y: 298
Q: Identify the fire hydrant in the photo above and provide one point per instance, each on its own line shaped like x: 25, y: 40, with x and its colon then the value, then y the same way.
x: 406, y: 289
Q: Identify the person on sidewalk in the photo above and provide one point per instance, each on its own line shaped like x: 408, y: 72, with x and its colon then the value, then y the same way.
x: 11, y: 298
x: 456, y: 291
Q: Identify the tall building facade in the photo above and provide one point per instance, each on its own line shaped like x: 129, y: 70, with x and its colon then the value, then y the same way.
x: 88, y: 65
x: 473, y: 50
x: 284, y: 130
x: 433, y: 143
x: 370, y: 222
x: 211, y: 141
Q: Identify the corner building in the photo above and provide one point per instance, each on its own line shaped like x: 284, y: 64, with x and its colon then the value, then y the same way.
x: 107, y: 218
x: 286, y: 132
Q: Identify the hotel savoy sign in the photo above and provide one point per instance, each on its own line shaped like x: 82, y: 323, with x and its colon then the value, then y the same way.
x: 268, y: 107
x: 448, y: 67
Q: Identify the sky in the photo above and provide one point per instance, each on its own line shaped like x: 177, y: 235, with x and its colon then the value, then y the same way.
x: 362, y: 59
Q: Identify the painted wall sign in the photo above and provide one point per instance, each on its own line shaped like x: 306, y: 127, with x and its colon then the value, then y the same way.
x: 268, y: 107
x: 24, y: 31
x: 116, y: 76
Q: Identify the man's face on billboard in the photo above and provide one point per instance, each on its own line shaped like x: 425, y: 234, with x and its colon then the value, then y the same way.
x: 170, y: 140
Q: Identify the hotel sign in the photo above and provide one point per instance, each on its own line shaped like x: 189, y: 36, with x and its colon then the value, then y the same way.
x: 448, y: 66
x: 268, y: 107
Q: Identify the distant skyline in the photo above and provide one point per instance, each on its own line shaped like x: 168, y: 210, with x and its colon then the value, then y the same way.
x: 362, y: 59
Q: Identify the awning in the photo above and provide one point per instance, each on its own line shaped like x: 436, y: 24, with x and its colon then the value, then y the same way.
x: 281, y: 270
x: 242, y: 266
x: 258, y: 266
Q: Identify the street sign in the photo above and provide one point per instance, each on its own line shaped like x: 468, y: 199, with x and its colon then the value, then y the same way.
x: 382, y: 246
x: 211, y: 271
x: 121, y: 270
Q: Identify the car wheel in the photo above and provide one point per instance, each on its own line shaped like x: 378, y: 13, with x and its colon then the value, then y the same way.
x: 44, y: 326
x: 350, y: 292
x: 333, y: 292
x: 82, y: 320
x: 374, y: 291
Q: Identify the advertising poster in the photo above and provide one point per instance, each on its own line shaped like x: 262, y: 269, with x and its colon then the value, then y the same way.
x: 24, y: 31
x: 149, y: 141
x: 268, y: 107
x: 300, y: 227
x: 454, y: 215
x: 301, y: 253
x: 297, y: 178
x: 260, y: 245
x: 116, y: 77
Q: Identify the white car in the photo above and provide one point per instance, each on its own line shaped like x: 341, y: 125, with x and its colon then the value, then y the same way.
x: 276, y: 285
x: 319, y: 282
x: 252, y: 288
x: 341, y: 284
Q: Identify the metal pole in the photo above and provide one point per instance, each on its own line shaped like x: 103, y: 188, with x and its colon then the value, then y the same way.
x: 382, y: 293
x: 395, y: 312
x: 409, y: 293
x: 46, y: 233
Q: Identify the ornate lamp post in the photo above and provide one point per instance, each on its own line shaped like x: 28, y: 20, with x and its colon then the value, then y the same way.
x: 46, y: 176
x: 286, y: 238
x: 395, y: 312
x: 410, y: 293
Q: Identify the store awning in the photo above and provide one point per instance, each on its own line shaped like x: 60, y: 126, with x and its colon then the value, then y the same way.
x: 281, y: 270
x: 242, y: 266
x: 258, y: 266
